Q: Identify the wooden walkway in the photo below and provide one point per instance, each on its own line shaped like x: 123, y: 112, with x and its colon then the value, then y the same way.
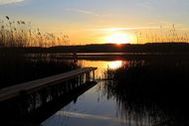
x: 28, y: 87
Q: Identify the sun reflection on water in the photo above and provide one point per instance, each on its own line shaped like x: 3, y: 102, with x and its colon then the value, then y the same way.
x: 101, y: 65
x: 115, y: 64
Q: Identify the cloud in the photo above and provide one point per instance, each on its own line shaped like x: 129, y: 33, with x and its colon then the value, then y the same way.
x: 82, y: 11
x: 4, y: 2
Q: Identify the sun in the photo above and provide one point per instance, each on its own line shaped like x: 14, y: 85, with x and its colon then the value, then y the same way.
x: 119, y: 38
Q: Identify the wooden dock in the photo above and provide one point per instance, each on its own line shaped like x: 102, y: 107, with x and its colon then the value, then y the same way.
x: 33, y: 86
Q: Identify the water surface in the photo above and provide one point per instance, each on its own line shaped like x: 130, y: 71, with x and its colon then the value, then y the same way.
x: 95, y: 108
x: 144, y: 92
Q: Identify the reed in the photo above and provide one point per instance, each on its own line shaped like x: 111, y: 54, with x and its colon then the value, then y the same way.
x: 157, y: 89
x: 22, y: 34
x: 168, y: 34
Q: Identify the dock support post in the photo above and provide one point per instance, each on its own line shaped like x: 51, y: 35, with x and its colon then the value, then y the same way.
x: 93, y: 75
x: 87, y: 76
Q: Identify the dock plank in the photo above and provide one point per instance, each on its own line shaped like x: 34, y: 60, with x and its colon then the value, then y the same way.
x: 13, y: 91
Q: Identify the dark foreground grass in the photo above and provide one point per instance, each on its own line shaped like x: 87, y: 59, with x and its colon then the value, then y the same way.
x: 157, y: 87
x: 17, y: 68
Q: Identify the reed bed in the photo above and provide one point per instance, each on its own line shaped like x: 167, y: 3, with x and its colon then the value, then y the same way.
x: 157, y: 89
x: 163, y: 34
x: 15, y: 66
x: 162, y: 76
x: 18, y: 68
x: 22, y: 34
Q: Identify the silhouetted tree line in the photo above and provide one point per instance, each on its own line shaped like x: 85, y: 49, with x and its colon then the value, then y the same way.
x: 128, y: 48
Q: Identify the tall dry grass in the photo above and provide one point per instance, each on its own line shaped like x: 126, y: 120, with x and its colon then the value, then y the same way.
x: 162, y: 34
x: 22, y: 34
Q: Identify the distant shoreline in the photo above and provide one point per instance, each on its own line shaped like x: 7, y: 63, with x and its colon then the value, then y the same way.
x: 149, y: 48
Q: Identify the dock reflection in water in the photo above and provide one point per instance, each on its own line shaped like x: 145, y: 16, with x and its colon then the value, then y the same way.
x: 92, y: 108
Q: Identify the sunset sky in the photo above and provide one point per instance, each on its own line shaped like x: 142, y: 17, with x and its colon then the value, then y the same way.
x: 94, y: 21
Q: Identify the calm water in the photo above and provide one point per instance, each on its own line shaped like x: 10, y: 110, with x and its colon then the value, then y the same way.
x: 97, y: 107
x: 146, y: 91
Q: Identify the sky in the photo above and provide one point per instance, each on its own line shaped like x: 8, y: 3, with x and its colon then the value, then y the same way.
x: 92, y: 21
